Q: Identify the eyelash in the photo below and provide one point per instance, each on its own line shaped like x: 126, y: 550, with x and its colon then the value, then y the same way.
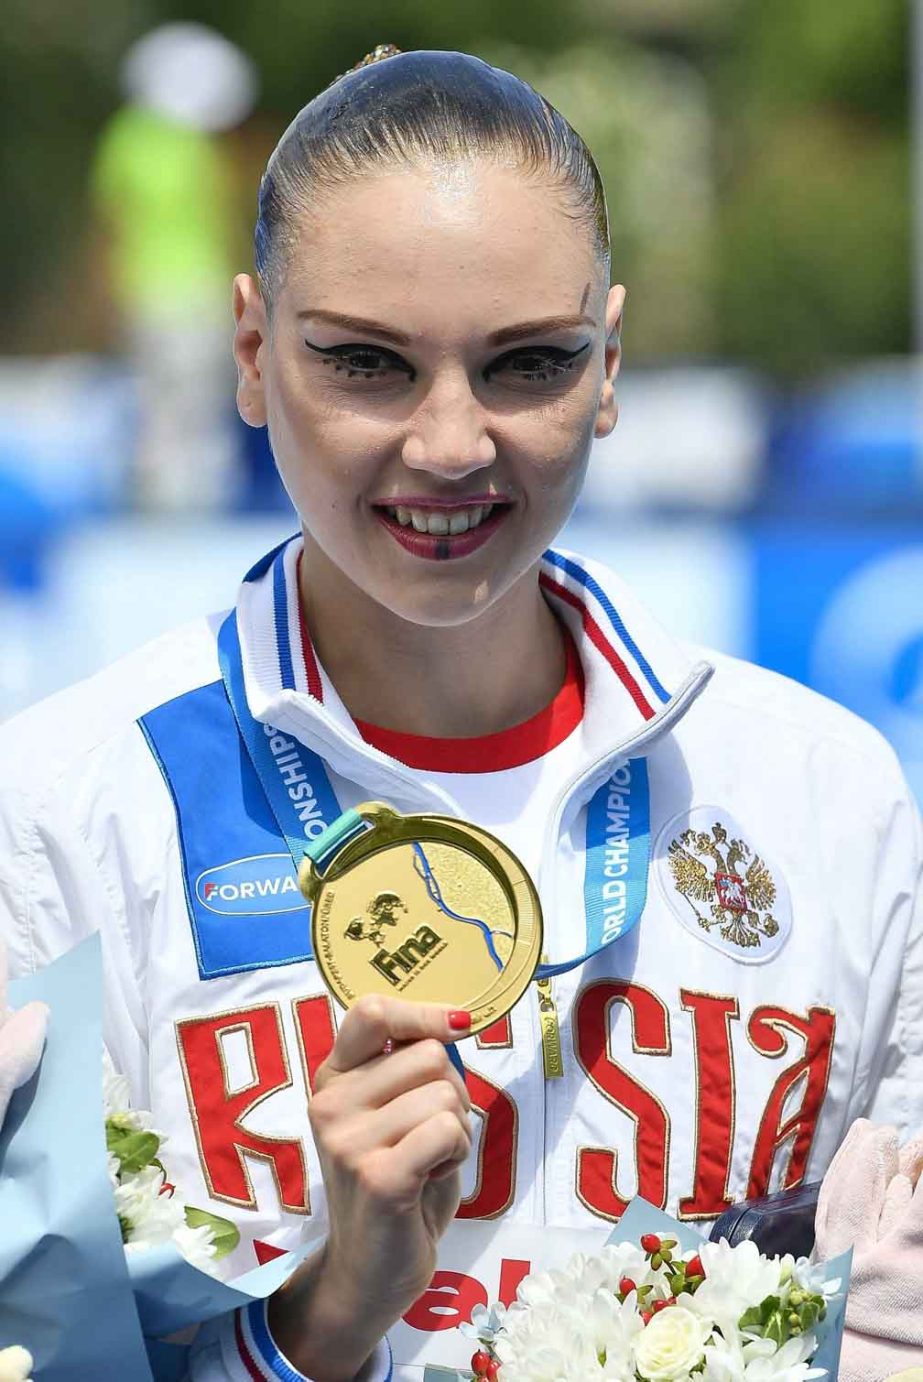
x: 554, y: 362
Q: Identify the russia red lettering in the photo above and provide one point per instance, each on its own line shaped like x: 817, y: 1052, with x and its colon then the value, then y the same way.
x: 496, y: 1164
x: 597, y: 1167
x: 316, y: 1034
x: 498, y: 1036
x: 767, y: 1030
x: 715, y: 1103
x: 218, y: 1114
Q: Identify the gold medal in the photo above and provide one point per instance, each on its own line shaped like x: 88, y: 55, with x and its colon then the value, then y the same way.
x: 426, y: 908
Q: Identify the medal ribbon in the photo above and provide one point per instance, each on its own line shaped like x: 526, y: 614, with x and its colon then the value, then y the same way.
x: 618, y: 853
x: 295, y: 781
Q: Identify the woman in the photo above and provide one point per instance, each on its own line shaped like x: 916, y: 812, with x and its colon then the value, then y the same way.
x: 433, y: 342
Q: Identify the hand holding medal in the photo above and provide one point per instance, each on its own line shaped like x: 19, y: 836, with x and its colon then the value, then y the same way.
x: 421, y: 907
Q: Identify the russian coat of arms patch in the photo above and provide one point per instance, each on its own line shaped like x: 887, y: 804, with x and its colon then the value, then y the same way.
x: 721, y: 887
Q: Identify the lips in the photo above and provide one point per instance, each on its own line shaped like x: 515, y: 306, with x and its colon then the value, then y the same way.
x: 438, y: 531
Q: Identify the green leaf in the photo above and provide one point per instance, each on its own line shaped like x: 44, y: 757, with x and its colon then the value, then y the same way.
x: 134, y: 1150
x: 775, y: 1329
x: 227, y: 1235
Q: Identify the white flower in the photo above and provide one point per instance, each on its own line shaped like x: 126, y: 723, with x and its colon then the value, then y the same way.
x: 197, y: 1246
x: 151, y: 1217
x: 543, y: 1346
x: 735, y: 1279
x: 485, y: 1324
x: 15, y: 1364
x: 114, y: 1168
x: 760, y: 1361
x: 628, y: 1259
x: 116, y: 1096
x: 810, y: 1277
x: 613, y: 1327
x: 671, y: 1345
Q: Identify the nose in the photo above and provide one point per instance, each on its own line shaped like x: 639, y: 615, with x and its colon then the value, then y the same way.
x: 449, y: 436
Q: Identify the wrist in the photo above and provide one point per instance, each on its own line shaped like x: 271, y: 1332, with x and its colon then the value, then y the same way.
x: 321, y: 1327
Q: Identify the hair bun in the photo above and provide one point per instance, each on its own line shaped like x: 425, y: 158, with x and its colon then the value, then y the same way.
x: 378, y: 54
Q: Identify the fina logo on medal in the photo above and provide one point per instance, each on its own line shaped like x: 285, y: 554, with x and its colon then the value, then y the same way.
x: 404, y: 958
x: 720, y: 888
x: 260, y: 885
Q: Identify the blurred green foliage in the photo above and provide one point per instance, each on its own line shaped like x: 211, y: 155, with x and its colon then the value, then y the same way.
x: 755, y: 153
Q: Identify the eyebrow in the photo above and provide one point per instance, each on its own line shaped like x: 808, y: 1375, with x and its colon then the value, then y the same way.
x: 537, y: 328
x: 362, y: 325
x: 521, y: 332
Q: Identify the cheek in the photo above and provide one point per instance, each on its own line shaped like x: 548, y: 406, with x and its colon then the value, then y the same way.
x: 324, y: 449
x: 553, y: 443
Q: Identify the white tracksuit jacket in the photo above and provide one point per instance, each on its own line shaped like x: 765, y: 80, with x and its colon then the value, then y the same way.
x: 772, y: 992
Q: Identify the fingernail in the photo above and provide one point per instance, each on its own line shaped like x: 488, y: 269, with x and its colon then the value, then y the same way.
x: 459, y: 1020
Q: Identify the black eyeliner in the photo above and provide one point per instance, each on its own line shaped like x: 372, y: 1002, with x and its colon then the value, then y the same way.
x: 553, y: 355
x: 341, y: 354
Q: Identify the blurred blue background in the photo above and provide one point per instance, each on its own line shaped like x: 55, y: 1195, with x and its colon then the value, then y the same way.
x: 764, y: 486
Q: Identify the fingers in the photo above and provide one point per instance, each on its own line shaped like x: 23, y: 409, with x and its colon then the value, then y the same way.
x: 435, y: 1144
x: 390, y: 1124
x: 434, y: 1149
x: 373, y: 1020
x: 420, y: 1063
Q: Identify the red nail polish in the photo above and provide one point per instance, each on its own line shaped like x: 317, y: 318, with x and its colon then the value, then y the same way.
x: 459, y: 1020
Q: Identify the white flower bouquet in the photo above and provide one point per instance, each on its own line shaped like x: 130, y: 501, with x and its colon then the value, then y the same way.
x: 664, y: 1306
x: 150, y: 1209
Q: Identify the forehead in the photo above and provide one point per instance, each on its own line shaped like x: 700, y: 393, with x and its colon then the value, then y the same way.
x: 470, y: 245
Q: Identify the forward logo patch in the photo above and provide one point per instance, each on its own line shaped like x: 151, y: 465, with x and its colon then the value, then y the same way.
x: 721, y: 887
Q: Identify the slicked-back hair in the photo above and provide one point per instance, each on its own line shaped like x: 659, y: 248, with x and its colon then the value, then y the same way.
x: 413, y: 108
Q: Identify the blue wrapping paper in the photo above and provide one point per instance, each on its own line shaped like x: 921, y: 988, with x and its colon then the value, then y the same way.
x: 67, y: 1292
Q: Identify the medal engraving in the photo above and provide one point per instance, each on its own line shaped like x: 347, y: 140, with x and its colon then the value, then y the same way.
x: 426, y: 908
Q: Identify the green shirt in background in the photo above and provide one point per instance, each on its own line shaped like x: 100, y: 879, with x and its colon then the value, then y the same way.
x: 165, y: 195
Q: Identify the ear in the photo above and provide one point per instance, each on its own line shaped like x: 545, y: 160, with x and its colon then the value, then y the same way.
x: 608, y: 410
x: 251, y: 340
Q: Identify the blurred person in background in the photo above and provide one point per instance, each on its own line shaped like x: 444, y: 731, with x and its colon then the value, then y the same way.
x: 163, y: 190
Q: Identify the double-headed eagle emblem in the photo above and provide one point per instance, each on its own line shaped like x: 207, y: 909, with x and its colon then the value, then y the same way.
x: 738, y: 903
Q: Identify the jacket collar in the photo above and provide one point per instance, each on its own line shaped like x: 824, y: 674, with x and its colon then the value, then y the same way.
x: 639, y: 680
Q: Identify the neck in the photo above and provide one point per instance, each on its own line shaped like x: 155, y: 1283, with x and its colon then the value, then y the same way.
x: 471, y: 679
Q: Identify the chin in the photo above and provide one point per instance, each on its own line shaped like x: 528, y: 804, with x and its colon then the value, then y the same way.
x: 440, y: 604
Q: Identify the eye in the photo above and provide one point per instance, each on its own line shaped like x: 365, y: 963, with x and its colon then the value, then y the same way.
x: 362, y: 361
x: 538, y: 363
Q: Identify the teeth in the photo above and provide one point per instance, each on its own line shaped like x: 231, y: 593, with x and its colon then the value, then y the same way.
x: 438, y: 522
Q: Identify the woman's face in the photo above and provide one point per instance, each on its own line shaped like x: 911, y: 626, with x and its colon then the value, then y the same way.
x: 441, y: 355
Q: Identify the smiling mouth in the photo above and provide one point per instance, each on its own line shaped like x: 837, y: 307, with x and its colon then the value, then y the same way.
x: 439, y: 522
x: 438, y: 531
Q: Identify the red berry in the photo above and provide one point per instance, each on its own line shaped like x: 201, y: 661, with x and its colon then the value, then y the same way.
x: 650, y: 1243
x: 662, y: 1305
x: 480, y: 1362
x: 647, y: 1316
x: 694, y: 1266
x: 626, y: 1286
x: 493, y: 1370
